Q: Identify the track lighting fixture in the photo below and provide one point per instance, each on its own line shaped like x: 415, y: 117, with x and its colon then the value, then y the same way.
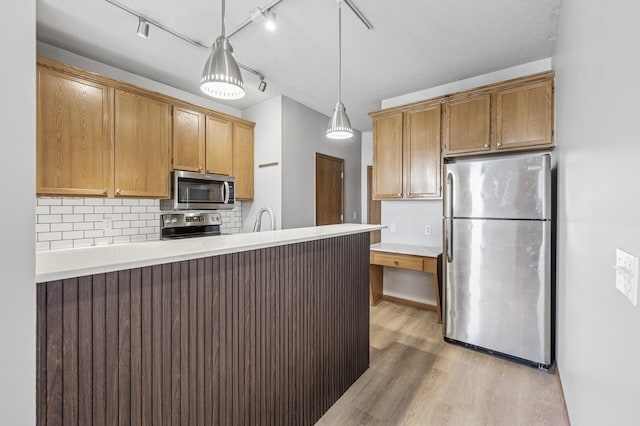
x: 270, y: 20
x: 143, y: 28
x: 262, y: 86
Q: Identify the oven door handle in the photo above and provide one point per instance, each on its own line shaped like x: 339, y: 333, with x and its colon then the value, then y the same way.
x: 225, y: 192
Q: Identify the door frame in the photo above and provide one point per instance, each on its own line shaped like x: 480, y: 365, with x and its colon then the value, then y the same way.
x: 315, y: 177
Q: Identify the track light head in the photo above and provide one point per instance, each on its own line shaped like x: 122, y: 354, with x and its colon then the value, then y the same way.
x: 262, y: 86
x: 143, y: 28
x: 270, y: 20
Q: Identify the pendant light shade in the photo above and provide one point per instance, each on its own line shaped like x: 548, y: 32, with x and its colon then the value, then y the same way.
x: 339, y: 126
x: 221, y: 77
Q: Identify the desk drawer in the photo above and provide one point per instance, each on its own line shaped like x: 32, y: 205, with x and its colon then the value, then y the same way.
x: 403, y: 261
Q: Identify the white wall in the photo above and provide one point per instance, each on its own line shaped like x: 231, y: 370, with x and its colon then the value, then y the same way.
x: 267, y: 149
x: 597, y: 91
x: 17, y: 185
x: 64, y: 56
x: 366, y: 159
x: 303, y: 134
x: 410, y: 217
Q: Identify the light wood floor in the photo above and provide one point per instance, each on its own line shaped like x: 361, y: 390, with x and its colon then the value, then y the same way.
x: 416, y: 378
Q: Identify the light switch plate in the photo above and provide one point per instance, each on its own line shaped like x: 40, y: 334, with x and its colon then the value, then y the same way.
x: 627, y: 275
x: 427, y: 230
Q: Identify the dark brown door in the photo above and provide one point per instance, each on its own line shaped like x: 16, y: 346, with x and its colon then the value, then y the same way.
x: 374, y: 214
x: 329, y: 189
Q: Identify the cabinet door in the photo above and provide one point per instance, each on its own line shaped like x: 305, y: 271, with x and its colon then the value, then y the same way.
x: 219, y: 146
x: 467, y: 125
x: 188, y: 140
x: 74, y: 151
x: 243, y: 160
x: 387, y: 156
x: 422, y: 153
x: 524, y: 116
x: 142, y: 135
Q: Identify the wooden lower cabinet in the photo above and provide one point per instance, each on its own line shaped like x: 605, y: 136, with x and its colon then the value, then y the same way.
x: 74, y: 128
x: 243, y: 160
x: 224, y: 340
x: 142, y: 146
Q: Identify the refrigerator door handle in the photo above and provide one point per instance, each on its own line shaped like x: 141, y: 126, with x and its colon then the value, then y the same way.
x: 449, y: 196
x: 448, y: 240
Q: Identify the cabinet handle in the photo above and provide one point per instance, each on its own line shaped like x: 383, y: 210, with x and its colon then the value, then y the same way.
x: 395, y: 262
x: 486, y: 145
x: 118, y: 191
x: 499, y: 144
x: 200, y: 168
x: 105, y: 191
x: 400, y: 194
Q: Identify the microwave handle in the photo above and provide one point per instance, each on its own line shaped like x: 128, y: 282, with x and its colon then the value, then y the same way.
x: 225, y: 192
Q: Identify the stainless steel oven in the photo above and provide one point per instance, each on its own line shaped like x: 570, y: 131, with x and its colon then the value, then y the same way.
x: 189, y: 224
x: 197, y: 191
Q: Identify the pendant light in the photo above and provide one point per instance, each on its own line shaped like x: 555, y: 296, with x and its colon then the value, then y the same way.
x: 339, y: 126
x: 221, y: 77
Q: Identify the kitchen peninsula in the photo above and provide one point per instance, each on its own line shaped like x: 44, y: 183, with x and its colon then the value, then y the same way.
x: 261, y: 328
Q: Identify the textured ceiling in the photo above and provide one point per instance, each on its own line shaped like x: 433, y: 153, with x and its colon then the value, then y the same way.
x: 415, y: 44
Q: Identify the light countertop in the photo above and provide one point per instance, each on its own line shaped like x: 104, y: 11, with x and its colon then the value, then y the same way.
x: 60, y: 264
x: 424, y: 251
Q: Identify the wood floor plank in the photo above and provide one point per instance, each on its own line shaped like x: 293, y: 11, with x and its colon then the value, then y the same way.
x: 416, y: 378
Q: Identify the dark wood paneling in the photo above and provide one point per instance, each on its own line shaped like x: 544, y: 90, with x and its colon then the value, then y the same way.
x: 271, y: 336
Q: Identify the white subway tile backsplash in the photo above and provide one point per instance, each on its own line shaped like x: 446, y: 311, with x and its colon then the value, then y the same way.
x: 61, y: 209
x: 42, y: 245
x: 73, y: 201
x: 72, y: 218
x: 49, y: 218
x: 83, y: 209
x: 59, y: 245
x: 49, y: 201
x: 61, y: 227
x: 94, y: 201
x: 50, y: 236
x: 83, y: 226
x: 63, y: 223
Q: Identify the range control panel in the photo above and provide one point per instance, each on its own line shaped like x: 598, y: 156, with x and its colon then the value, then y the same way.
x: 174, y: 220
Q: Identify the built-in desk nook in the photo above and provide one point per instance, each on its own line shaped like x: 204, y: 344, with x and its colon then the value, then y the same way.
x: 405, y: 256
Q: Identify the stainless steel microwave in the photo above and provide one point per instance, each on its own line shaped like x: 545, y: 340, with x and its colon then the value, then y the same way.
x: 197, y: 191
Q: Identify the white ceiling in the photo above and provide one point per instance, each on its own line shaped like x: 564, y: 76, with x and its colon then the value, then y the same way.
x: 415, y: 44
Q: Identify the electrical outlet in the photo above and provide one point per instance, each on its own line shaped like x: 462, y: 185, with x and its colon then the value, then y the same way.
x: 392, y: 227
x: 355, y: 215
x: 627, y: 275
x: 427, y: 230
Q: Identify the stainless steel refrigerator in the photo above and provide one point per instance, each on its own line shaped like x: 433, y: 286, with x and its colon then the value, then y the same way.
x: 497, y: 257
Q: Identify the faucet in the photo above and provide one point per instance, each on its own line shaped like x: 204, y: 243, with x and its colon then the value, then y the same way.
x: 256, y: 226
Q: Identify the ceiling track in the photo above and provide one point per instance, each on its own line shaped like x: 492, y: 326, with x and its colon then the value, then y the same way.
x: 237, y: 29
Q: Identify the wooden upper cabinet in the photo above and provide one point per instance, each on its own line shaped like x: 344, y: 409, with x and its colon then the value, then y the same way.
x: 219, y: 143
x: 387, y: 156
x: 524, y: 116
x: 188, y: 140
x: 243, y: 160
x: 142, y: 146
x: 422, y: 154
x: 467, y: 124
x: 74, y: 129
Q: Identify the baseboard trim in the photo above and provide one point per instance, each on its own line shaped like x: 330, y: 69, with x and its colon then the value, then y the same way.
x: 564, y: 399
x: 412, y: 303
